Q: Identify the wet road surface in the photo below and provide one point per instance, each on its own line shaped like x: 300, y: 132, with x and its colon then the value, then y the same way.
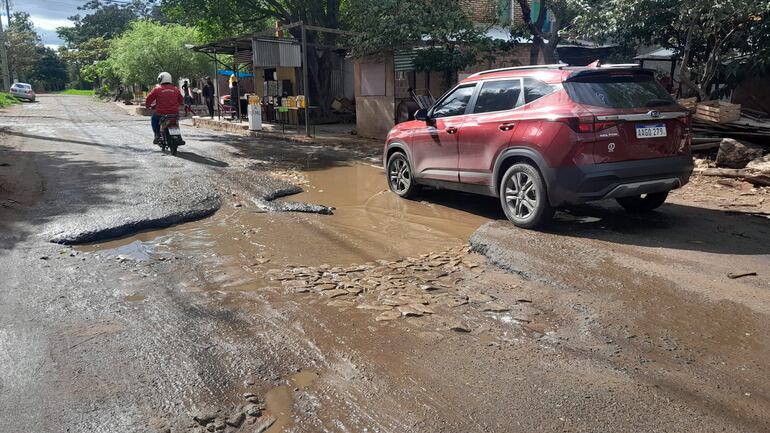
x: 375, y: 318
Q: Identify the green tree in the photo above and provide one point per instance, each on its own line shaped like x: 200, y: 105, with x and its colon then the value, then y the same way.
x: 49, y: 71
x: 23, y: 43
x: 705, y: 35
x: 449, y: 39
x: 148, y: 48
x: 535, y: 16
x: 105, y: 20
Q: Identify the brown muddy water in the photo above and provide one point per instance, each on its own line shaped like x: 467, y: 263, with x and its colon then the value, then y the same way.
x: 280, y: 400
x: 369, y: 223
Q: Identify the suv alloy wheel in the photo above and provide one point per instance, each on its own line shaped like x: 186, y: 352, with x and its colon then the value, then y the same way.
x: 400, y: 175
x: 523, y: 197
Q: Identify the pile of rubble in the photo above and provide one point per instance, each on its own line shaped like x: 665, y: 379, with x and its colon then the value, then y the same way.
x: 738, y: 159
x: 412, y: 287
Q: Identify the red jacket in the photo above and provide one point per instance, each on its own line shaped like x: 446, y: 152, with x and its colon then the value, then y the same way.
x: 167, y: 99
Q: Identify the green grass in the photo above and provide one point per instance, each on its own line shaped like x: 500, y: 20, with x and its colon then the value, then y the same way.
x: 78, y: 92
x: 7, y: 100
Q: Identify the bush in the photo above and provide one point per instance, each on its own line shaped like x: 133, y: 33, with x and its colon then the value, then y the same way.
x: 7, y: 100
x: 78, y: 92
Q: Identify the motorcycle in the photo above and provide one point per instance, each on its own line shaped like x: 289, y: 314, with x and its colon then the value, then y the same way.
x: 170, y: 136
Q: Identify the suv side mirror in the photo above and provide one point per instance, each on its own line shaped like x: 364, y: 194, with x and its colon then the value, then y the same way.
x: 422, y: 114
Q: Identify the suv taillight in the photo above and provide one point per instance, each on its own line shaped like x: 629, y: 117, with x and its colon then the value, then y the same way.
x: 584, y: 124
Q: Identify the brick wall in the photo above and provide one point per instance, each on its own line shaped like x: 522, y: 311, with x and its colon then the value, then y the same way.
x: 485, y: 11
x: 518, y: 56
x: 482, y: 11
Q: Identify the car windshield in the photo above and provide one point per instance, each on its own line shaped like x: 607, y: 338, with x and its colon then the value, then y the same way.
x: 618, y: 90
x: 22, y: 86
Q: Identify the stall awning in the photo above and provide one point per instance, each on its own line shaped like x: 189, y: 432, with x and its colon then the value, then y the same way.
x: 228, y: 73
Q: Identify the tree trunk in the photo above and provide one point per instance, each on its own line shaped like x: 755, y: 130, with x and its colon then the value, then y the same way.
x: 684, y: 68
x: 550, y: 55
x: 534, y: 51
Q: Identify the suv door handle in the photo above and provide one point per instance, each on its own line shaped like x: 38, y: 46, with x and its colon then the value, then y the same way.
x: 506, y: 126
x: 451, y: 130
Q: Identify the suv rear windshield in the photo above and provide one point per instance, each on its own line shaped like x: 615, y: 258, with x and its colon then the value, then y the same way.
x: 618, y: 90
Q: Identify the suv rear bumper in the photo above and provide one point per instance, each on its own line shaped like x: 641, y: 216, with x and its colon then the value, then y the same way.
x: 578, y: 184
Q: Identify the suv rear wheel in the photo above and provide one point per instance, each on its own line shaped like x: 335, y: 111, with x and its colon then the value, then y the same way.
x: 643, y: 203
x: 523, y: 197
x: 400, y: 176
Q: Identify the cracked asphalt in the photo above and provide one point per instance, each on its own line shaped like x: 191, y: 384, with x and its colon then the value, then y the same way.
x: 214, y: 309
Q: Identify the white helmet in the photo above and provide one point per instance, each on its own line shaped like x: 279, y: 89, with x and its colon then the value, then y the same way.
x: 164, y: 78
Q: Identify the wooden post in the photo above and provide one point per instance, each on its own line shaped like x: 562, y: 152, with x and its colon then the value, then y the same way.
x: 4, y: 59
x: 305, y: 88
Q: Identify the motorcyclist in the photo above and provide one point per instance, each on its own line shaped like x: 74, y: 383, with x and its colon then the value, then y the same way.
x: 167, y: 99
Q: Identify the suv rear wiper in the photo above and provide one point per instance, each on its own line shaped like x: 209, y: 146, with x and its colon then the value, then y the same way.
x: 658, y: 102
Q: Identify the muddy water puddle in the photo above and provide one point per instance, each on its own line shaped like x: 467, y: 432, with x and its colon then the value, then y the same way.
x: 369, y: 223
x: 280, y: 400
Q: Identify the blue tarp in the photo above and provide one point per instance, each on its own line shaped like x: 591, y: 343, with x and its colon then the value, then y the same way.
x: 227, y: 73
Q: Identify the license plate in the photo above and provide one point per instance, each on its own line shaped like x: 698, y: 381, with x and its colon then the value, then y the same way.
x: 651, y: 130
x: 173, y: 131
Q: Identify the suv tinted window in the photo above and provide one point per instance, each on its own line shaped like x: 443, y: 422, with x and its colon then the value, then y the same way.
x: 455, y: 103
x: 619, y: 90
x: 498, y: 96
x: 535, y: 89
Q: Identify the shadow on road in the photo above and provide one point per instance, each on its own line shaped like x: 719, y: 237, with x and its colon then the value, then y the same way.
x: 28, y: 201
x: 144, y: 149
x: 484, y: 206
x: 200, y: 159
x: 674, y: 226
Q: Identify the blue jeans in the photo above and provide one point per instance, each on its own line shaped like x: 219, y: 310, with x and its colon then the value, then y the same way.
x: 155, y: 122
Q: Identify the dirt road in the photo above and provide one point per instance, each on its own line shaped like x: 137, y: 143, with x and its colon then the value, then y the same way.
x: 431, y: 315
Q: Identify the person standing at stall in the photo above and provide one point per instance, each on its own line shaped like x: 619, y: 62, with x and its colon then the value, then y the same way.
x: 208, y: 96
x: 188, y: 99
x: 235, y: 99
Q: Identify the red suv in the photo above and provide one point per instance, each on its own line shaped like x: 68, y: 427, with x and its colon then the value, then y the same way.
x: 540, y: 137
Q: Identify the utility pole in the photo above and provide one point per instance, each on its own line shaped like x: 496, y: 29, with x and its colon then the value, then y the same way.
x: 305, y: 88
x: 4, y: 59
x: 8, y: 12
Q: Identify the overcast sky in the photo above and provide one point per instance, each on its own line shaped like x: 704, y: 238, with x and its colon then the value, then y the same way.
x: 46, y: 14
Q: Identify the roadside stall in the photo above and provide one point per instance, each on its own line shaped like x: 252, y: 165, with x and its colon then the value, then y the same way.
x: 272, y: 65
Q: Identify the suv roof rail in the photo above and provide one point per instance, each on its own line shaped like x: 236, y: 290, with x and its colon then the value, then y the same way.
x: 621, y: 65
x: 519, y: 68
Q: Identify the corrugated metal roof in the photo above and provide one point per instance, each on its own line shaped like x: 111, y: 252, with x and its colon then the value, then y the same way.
x: 267, y: 53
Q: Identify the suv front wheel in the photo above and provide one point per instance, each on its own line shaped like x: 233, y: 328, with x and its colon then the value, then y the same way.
x: 400, y: 176
x: 523, y: 197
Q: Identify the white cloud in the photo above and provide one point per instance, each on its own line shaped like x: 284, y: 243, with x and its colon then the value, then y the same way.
x: 50, y: 23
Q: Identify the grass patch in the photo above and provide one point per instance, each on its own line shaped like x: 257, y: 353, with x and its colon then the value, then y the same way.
x: 7, y: 100
x: 78, y: 92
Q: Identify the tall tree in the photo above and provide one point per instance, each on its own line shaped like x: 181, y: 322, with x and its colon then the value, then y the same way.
x: 87, y: 40
x: 448, y: 38
x: 535, y: 14
x: 23, y: 43
x: 148, y: 48
x: 85, y: 55
x: 49, y: 71
x: 706, y: 36
x: 102, y: 19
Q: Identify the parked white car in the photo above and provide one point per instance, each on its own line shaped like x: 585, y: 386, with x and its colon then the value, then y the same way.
x: 23, y: 91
